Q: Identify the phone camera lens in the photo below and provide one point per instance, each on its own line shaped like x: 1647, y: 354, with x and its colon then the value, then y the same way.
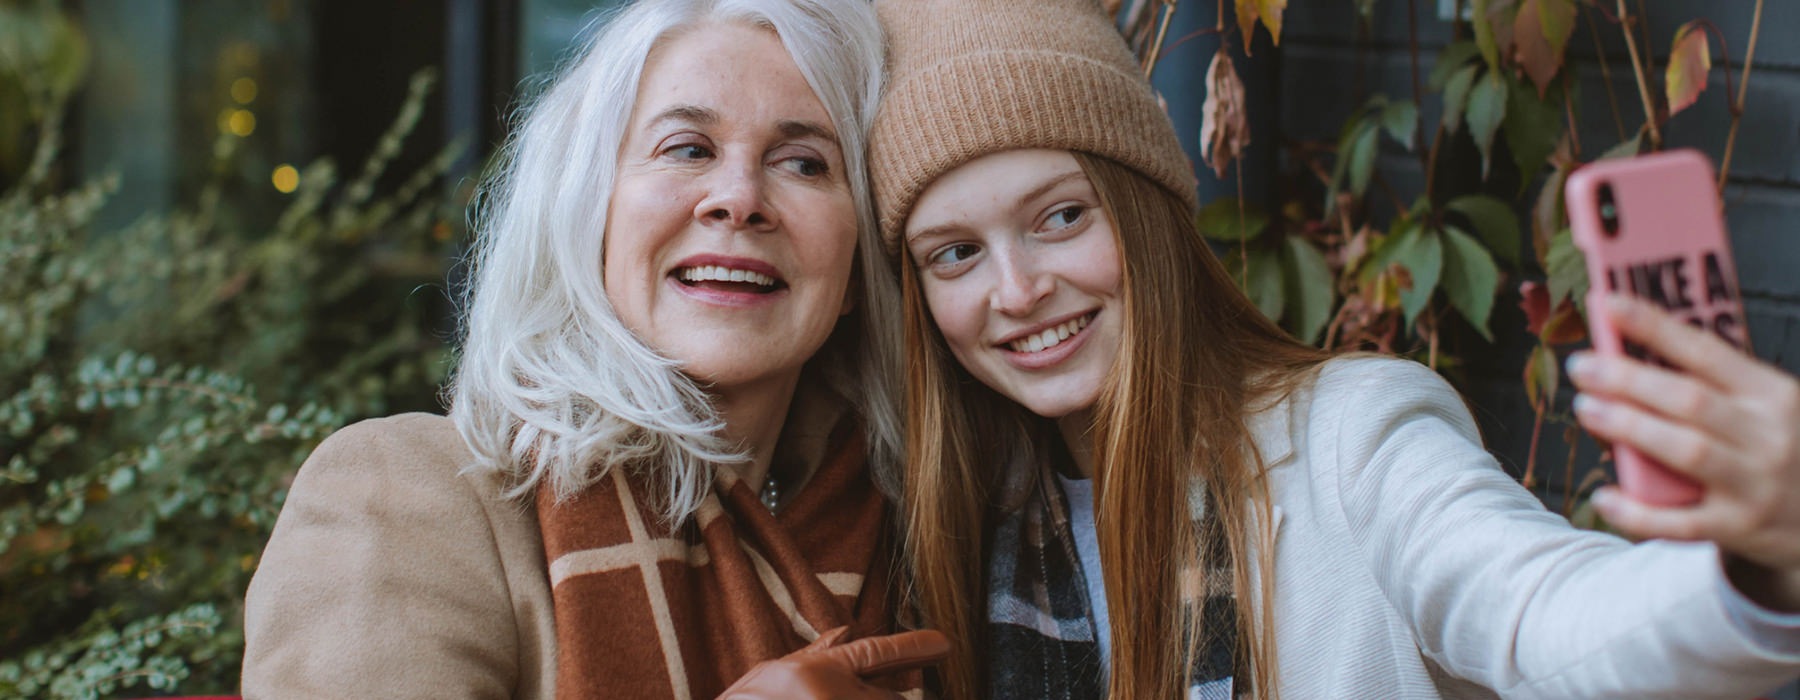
x: 1609, y: 211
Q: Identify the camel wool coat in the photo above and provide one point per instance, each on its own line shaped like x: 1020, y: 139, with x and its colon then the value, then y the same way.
x: 395, y: 572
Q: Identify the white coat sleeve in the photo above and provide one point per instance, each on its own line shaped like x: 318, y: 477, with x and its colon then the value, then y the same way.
x: 1502, y: 592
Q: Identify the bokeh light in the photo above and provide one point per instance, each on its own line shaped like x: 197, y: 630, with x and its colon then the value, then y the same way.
x: 285, y: 178
x: 243, y: 90
x: 242, y: 122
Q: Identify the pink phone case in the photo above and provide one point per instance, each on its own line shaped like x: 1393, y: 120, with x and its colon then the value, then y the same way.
x: 1668, y: 246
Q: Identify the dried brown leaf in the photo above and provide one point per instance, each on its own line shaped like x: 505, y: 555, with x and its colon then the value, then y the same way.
x: 1224, y: 124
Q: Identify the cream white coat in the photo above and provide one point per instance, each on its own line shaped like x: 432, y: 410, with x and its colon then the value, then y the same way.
x: 1409, y: 565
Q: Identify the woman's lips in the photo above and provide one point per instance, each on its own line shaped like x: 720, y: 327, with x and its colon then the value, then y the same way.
x: 726, y: 281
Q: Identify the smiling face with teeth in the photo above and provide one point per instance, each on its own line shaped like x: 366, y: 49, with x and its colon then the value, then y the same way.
x: 731, y: 228
x: 1018, y: 263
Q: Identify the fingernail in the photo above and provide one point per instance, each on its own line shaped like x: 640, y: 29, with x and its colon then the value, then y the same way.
x: 1587, y: 405
x: 1602, y: 499
x: 1617, y: 303
x: 1580, y: 366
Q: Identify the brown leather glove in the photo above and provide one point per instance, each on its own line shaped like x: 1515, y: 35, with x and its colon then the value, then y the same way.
x: 826, y: 669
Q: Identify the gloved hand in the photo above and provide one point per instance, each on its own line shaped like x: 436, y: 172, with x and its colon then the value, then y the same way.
x: 826, y: 669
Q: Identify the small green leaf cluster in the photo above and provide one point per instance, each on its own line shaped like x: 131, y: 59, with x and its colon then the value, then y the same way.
x: 161, y: 383
x: 100, y: 659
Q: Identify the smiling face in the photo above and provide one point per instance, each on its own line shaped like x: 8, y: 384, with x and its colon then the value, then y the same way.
x: 731, y: 228
x: 1018, y: 263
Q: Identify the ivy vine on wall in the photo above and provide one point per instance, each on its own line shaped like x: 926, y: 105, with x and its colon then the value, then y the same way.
x: 1367, y: 266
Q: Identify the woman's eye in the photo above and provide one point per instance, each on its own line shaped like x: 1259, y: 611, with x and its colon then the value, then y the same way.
x: 1066, y: 217
x: 807, y: 166
x: 954, y: 254
x: 689, y: 151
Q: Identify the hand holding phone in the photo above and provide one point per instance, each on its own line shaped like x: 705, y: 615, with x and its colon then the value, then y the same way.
x: 1651, y: 227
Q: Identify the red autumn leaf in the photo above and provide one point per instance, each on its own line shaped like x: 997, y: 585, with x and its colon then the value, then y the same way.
x: 1689, y: 62
x: 1540, y: 35
x: 1494, y: 29
x: 1561, y: 326
x: 1224, y: 125
x: 1566, y: 326
x: 1534, y: 300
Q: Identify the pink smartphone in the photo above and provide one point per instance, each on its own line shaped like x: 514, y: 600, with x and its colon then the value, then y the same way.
x: 1652, y: 227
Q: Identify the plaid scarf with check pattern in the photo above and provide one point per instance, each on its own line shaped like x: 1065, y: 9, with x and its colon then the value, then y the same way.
x: 647, y: 611
x: 1039, y: 625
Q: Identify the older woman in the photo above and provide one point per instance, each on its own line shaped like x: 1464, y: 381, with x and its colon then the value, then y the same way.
x: 655, y: 476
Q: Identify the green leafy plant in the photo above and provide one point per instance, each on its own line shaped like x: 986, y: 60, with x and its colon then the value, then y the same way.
x: 160, y: 385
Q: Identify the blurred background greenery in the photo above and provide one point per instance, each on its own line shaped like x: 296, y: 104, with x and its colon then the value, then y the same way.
x: 226, y: 229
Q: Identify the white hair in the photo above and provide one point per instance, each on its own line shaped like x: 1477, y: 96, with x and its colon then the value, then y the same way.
x: 549, y: 383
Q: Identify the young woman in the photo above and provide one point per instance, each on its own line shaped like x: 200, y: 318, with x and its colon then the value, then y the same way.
x: 1122, y: 480
x: 654, y: 481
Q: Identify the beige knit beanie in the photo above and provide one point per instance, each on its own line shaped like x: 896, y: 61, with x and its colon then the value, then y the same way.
x: 967, y: 78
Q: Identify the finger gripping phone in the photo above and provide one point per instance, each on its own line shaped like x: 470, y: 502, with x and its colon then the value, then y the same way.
x: 1652, y: 227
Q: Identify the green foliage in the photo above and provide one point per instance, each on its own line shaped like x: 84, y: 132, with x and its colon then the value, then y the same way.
x: 1360, y: 143
x: 1231, y: 220
x: 1493, y: 220
x: 1288, y: 278
x: 1566, y: 270
x: 159, y: 386
x: 1307, y: 286
x: 1470, y: 278
x: 43, y: 58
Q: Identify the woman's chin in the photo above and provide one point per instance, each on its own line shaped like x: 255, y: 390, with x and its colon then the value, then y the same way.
x: 727, y: 372
x: 1056, y: 405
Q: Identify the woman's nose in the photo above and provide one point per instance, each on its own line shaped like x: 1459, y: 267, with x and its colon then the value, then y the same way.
x: 1022, y: 286
x: 736, y: 197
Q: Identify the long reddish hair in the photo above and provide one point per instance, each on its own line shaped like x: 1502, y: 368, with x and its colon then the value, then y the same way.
x: 1195, y: 357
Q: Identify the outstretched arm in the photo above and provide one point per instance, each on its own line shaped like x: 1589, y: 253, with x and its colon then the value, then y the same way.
x: 1497, y: 590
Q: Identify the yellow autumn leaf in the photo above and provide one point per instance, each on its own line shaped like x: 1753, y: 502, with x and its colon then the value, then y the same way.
x: 1269, y: 11
x: 1247, y: 12
x: 1689, y: 63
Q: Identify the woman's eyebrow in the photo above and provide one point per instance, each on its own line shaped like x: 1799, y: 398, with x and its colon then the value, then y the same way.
x: 942, y: 230
x: 939, y: 231
x: 795, y: 129
x: 685, y: 113
x: 1045, y: 187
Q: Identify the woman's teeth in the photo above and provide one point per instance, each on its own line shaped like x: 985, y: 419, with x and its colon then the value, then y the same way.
x: 1052, y: 337
x: 715, y: 273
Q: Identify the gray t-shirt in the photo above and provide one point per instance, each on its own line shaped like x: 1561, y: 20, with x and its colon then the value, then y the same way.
x: 1080, y: 495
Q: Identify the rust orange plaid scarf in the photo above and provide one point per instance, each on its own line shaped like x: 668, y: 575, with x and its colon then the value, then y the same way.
x: 646, y: 611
